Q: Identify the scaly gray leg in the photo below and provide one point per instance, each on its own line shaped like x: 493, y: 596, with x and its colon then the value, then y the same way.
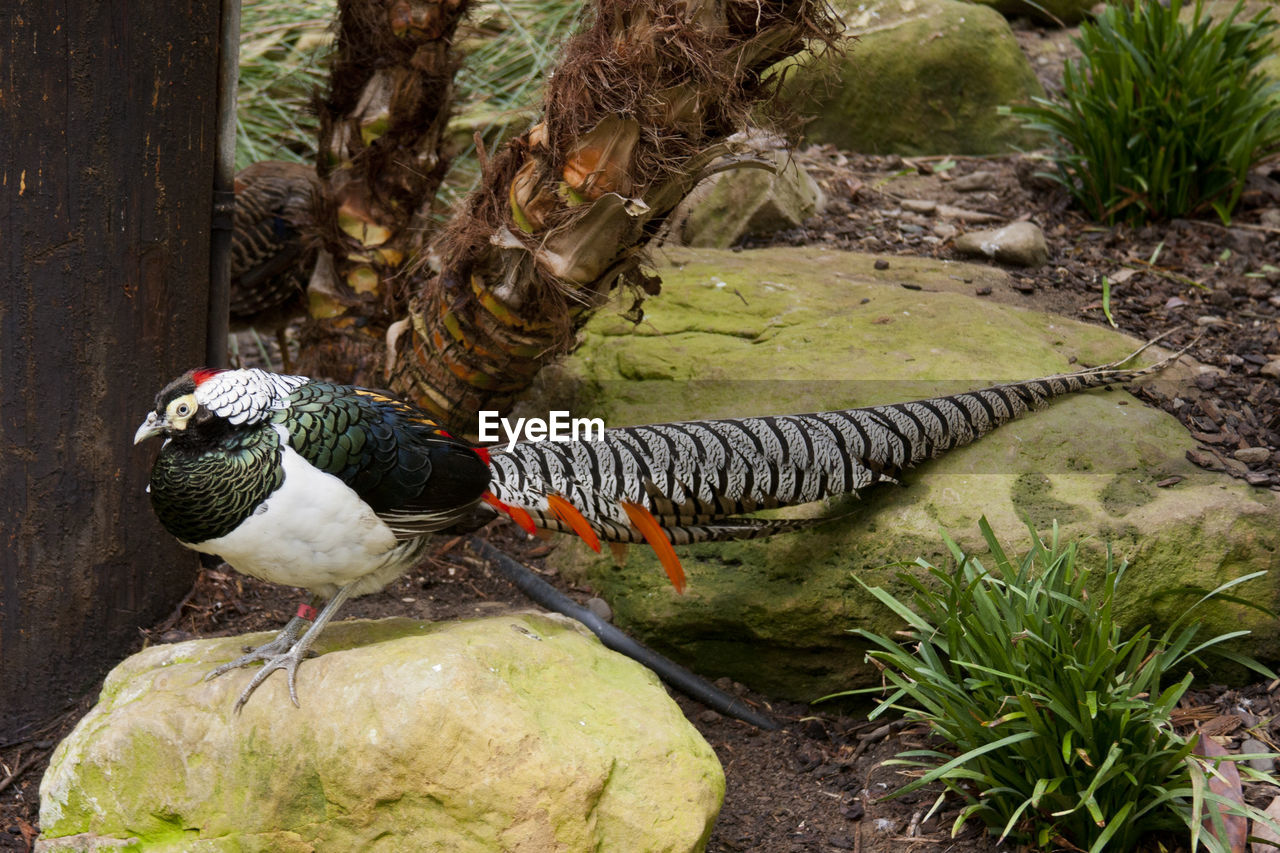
x: 285, y: 652
x: 282, y: 642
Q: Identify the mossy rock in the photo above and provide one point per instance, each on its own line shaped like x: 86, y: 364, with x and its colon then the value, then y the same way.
x: 793, y: 330
x: 517, y: 732
x: 924, y: 77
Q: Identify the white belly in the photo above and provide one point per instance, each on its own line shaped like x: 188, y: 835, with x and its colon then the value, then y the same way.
x: 313, y: 532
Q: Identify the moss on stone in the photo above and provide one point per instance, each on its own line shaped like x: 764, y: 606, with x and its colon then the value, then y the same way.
x: 411, y: 736
x: 775, y: 613
x: 924, y: 77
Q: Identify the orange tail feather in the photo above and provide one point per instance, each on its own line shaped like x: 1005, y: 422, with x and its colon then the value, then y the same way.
x: 569, y: 514
x: 649, y: 528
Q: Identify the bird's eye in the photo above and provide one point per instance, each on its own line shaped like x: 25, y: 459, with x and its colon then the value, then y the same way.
x: 182, y: 410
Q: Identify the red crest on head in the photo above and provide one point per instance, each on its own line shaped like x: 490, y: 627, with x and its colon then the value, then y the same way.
x: 204, y: 374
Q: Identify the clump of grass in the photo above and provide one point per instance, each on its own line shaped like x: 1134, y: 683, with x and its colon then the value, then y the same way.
x: 283, y: 48
x: 1060, y: 720
x: 1161, y: 118
x: 507, y: 46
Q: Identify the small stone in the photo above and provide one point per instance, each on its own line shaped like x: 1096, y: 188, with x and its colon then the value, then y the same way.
x: 1020, y: 244
x: 1258, y: 478
x: 534, y: 778
x: 1235, y: 467
x: 1253, y: 745
x: 600, y: 609
x: 919, y: 205
x: 1210, y: 320
x: 1272, y: 369
x: 1253, y: 455
x: 945, y: 230
x: 983, y: 291
x: 1169, y: 481
x: 1206, y: 381
x: 1175, y: 302
x: 974, y: 182
x: 881, y: 264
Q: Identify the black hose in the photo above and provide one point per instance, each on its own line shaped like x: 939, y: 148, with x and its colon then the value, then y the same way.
x: 672, y: 673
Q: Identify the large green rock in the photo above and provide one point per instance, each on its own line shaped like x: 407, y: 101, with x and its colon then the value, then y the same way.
x: 510, y: 733
x: 924, y: 77
x: 796, y: 330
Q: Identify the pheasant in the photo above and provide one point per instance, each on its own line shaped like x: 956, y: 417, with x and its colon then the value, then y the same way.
x: 271, y: 254
x: 336, y: 489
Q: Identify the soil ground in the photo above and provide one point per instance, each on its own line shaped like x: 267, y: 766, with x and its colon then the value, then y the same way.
x: 816, y: 785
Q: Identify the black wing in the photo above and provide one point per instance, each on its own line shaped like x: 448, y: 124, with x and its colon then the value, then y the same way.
x: 416, y: 476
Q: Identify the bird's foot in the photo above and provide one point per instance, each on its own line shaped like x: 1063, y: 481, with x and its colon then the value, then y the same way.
x: 285, y: 652
x: 288, y: 661
x: 265, y: 652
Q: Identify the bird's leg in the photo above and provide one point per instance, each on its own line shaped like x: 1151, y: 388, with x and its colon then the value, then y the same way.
x: 282, y: 642
x: 289, y: 660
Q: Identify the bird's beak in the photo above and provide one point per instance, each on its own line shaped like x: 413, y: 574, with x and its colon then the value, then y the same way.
x: 153, y: 425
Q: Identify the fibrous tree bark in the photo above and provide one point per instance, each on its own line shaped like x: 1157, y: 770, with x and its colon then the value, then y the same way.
x: 634, y: 115
x: 383, y: 124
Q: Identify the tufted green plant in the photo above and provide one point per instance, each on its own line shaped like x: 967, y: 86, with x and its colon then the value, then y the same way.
x: 1161, y: 118
x: 1058, y: 721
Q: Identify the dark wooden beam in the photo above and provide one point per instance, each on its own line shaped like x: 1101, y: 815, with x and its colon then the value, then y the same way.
x: 107, y: 116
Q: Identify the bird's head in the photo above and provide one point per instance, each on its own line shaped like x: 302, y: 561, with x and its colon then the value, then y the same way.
x: 221, y: 399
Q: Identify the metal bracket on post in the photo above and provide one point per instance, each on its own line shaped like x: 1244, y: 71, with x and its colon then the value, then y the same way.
x: 224, y: 197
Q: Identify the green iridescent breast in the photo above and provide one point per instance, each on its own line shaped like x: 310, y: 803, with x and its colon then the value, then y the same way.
x: 201, y: 493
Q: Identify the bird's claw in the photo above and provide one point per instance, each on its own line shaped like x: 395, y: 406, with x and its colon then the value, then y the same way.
x: 288, y: 661
x: 266, y: 652
x: 281, y: 653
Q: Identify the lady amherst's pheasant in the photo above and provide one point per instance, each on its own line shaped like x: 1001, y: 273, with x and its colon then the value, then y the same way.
x: 335, y: 488
x: 271, y: 250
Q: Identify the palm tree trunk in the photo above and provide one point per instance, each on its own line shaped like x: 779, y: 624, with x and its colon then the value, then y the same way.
x: 638, y: 109
x: 382, y: 132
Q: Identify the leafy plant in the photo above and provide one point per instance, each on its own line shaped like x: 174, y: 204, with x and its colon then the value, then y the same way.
x: 1161, y: 118
x: 1060, y: 721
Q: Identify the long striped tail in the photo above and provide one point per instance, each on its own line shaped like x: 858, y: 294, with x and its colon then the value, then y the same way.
x: 691, y: 481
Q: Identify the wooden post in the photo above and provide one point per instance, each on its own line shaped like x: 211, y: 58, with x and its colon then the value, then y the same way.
x: 107, y: 112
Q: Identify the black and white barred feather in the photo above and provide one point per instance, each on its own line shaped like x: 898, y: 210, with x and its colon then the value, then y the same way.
x: 697, y: 478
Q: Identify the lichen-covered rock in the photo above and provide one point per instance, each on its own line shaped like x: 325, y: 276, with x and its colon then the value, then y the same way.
x: 798, y: 330
x: 738, y: 202
x: 924, y: 77
x: 516, y: 733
